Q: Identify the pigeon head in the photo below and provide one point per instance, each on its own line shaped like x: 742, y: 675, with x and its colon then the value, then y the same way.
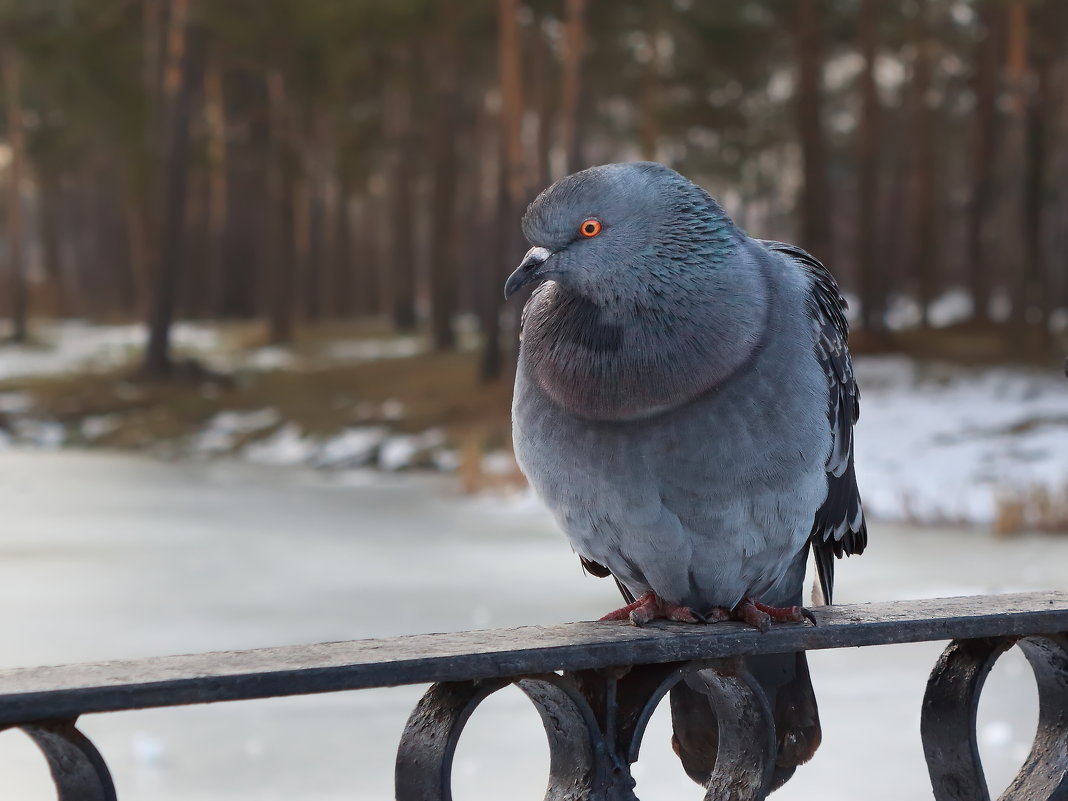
x: 620, y: 235
x: 648, y: 295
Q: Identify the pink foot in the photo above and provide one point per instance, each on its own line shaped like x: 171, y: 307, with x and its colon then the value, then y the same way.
x: 761, y: 616
x: 649, y: 607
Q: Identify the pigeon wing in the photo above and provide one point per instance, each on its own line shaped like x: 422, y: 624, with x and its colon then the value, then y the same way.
x: 839, y: 527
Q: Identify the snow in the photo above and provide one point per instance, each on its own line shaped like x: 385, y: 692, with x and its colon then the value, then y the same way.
x: 100, y: 425
x: 940, y: 443
x: 221, y: 433
x: 445, y: 460
x: 353, y: 447
x: 498, y: 463
x: 43, y: 434
x: 77, y: 345
x: 271, y: 357
x: 392, y: 409
x: 953, y: 306
x: 286, y: 447
x: 15, y: 402
x: 362, y: 350
x: 935, y: 442
x: 403, y: 451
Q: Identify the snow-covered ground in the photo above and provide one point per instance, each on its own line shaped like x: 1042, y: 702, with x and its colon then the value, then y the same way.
x: 74, y: 345
x: 942, y: 443
x: 936, y: 442
x: 111, y: 556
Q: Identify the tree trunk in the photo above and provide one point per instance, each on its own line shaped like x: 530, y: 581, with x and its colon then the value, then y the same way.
x: 1016, y: 158
x: 153, y: 13
x: 401, y: 183
x: 511, y: 189
x: 217, y: 200
x: 649, y: 109
x: 318, y: 151
x: 314, y: 261
x: 444, y: 223
x: 924, y: 254
x: 983, y: 155
x: 571, y: 75
x: 869, y: 252
x: 15, y: 228
x: 540, y: 102
x: 1038, y: 292
x: 371, y: 215
x: 250, y: 212
x: 282, y: 191
x: 344, y: 290
x: 815, y: 192
x: 51, y: 232
x: 183, y: 80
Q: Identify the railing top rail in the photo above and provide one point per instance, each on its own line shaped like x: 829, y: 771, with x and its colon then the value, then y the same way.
x: 69, y: 690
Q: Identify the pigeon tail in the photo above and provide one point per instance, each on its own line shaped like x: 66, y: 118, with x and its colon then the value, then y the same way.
x: 786, y: 682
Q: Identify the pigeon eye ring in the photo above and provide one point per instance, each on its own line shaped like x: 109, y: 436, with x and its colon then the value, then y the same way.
x: 590, y: 228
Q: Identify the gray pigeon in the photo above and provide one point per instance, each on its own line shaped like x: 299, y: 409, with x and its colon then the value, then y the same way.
x: 684, y: 405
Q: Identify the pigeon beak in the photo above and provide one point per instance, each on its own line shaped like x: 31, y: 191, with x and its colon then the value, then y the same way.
x: 526, y: 272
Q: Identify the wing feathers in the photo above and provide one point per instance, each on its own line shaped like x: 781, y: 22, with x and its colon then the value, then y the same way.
x: 838, y: 528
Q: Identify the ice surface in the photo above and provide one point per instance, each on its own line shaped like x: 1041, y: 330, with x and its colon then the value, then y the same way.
x: 109, y: 556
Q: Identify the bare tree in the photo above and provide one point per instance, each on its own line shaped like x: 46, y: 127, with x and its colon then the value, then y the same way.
x: 443, y: 294
x: 511, y: 188
x: 1017, y: 77
x: 984, y: 145
x: 815, y: 191
x: 399, y: 129
x: 869, y: 253
x: 541, y: 169
x: 217, y: 185
x: 182, y: 81
x: 9, y: 63
x: 571, y: 89
x: 924, y: 253
x: 649, y: 108
x: 1037, y: 292
x: 282, y: 211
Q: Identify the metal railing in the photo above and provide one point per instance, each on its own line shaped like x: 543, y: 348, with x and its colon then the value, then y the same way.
x: 595, y: 686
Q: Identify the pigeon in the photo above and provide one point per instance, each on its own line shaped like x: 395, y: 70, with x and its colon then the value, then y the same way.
x: 684, y: 406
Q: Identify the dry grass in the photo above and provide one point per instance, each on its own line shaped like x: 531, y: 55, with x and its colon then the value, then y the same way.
x: 434, y: 391
x: 1034, y: 508
x: 965, y: 343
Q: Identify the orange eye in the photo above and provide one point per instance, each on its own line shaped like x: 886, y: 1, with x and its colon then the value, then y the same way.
x: 590, y: 228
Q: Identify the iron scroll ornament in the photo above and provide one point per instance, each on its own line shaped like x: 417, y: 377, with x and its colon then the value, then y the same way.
x: 947, y: 724
x: 595, y: 721
x: 78, y: 770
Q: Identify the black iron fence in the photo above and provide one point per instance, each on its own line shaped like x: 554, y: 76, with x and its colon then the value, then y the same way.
x: 595, y: 686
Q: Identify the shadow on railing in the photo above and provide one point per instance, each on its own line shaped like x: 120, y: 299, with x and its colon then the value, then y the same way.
x: 595, y: 686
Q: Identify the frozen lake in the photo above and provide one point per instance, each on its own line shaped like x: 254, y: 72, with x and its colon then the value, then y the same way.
x: 110, y: 556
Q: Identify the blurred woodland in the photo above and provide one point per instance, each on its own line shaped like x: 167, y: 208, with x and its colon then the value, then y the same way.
x: 298, y: 162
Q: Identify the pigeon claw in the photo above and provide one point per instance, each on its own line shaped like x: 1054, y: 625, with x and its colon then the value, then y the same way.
x: 649, y: 608
x: 761, y: 615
